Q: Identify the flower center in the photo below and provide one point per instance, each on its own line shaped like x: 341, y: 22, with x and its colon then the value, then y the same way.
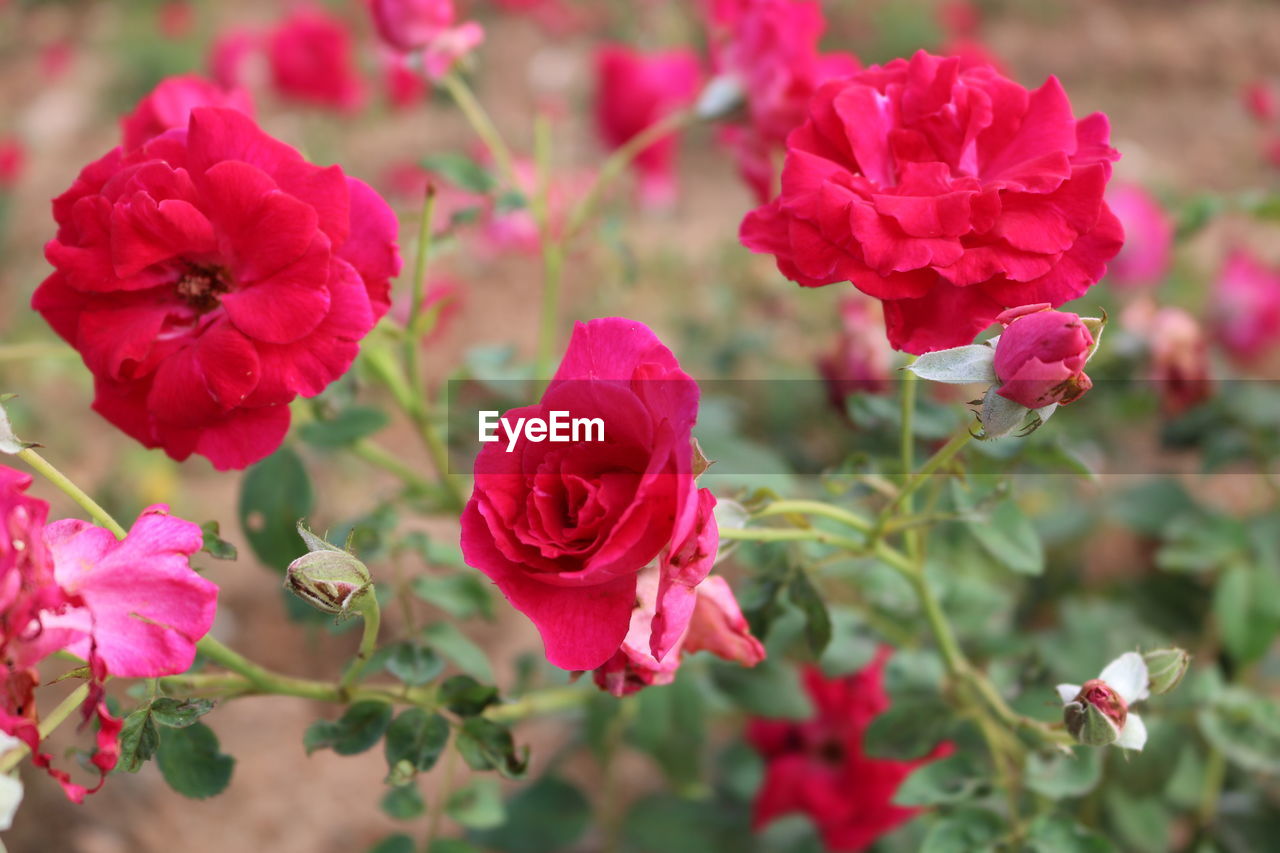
x: 201, y: 285
x: 1102, y: 696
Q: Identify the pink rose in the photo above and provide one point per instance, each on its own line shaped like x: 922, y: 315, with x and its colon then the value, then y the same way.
x: 1040, y: 357
x: 231, y: 55
x: 1148, y: 237
x: 635, y: 90
x: 312, y: 60
x: 210, y: 277
x: 565, y: 529
x: 769, y: 48
x: 169, y: 106
x: 946, y: 191
x: 719, y: 627
x: 409, y: 25
x: 1246, y: 307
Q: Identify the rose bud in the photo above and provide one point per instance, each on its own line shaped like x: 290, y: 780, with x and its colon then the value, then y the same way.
x: 330, y: 581
x: 1097, y: 712
x: 1165, y: 668
x: 1040, y: 357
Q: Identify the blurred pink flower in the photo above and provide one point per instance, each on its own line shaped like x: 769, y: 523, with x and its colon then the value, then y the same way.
x: 443, y: 300
x: 13, y: 156
x: 230, y: 56
x: 769, y: 49
x: 406, y: 86
x: 635, y: 90
x: 1179, y: 360
x: 1260, y: 100
x: 1247, y: 307
x: 175, y: 18
x: 862, y: 358
x: 170, y: 103
x: 426, y: 29
x: 312, y: 60
x: 1148, y: 237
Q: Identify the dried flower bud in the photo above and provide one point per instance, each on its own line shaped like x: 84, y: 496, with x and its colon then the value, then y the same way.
x: 1165, y: 668
x: 1089, y: 724
x: 330, y: 581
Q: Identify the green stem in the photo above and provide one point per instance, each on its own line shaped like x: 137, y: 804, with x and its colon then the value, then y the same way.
x: 379, y: 457
x: 546, y: 701
x: 903, y: 501
x: 552, y: 274
x: 436, y: 815
x: 1215, y: 774
x: 372, y: 615
x: 618, y: 161
x: 787, y: 534
x: 100, y: 516
x: 954, y: 659
x: 483, y: 125
x: 818, y: 508
x: 417, y: 292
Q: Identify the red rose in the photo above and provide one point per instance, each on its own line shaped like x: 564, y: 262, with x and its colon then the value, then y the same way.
x: 210, y: 277
x: 769, y: 48
x: 635, y: 90
x: 945, y: 190
x: 1040, y: 357
x: 312, y: 60
x: 564, y: 529
x: 819, y: 767
x: 169, y: 105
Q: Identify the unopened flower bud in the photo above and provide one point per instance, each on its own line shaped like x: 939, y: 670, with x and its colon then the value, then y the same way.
x: 1165, y: 668
x: 330, y: 581
x: 1089, y: 724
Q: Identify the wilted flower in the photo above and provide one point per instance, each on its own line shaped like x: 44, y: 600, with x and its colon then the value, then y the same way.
x: 1097, y: 712
x: 1179, y: 354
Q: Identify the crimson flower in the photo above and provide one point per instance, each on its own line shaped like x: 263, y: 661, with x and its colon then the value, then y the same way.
x: 819, y: 767
x: 312, y: 60
x: 946, y: 191
x: 209, y: 277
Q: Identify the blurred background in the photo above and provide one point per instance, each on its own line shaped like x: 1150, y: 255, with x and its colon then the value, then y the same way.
x: 1180, y: 80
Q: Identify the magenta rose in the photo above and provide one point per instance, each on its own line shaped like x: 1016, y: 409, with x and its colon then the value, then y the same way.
x: 1040, y: 357
x: 565, y: 529
x: 945, y: 190
x: 211, y: 276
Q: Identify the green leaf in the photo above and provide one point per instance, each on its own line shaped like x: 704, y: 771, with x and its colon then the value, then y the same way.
x: 486, y: 745
x: 358, y: 729
x: 214, y: 545
x: 398, y: 843
x: 1148, y: 507
x: 461, y: 171
x: 1246, y: 728
x: 769, y: 689
x: 548, y: 816
x: 1244, y: 610
x: 403, y: 802
x: 465, y: 696
x: 964, y: 831
x: 416, y: 737
x: 910, y: 729
x: 191, y: 763
x: 671, y: 725
x: 663, y: 823
x: 179, y: 713
x: 274, y: 494
x: 138, y: 741
x: 1009, y: 538
x: 413, y: 663
x: 1055, y: 834
x: 951, y: 780
x: 1197, y: 542
x: 461, y: 595
x: 457, y: 647
x: 1058, y: 776
x: 804, y: 595
x: 345, y: 428
x: 477, y: 805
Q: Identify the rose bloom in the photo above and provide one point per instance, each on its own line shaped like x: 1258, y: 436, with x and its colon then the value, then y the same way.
x: 769, y: 48
x: 1179, y: 354
x: 860, y: 360
x: 312, y: 60
x: 132, y: 608
x: 211, y: 276
x: 12, y: 157
x: 170, y: 103
x: 635, y: 90
x: 232, y: 58
x: 946, y: 191
x: 1148, y: 237
x: 565, y: 529
x: 1040, y: 357
x: 1246, y: 307
x: 818, y: 766
x: 409, y: 25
